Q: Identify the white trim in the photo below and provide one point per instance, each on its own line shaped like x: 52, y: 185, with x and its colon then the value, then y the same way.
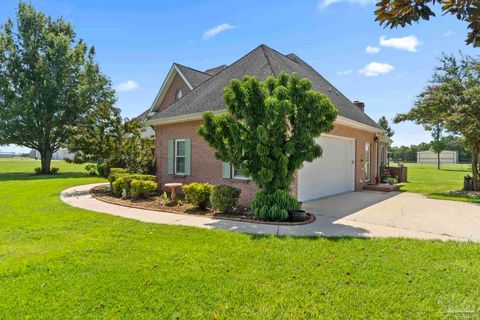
x: 327, y: 135
x: 175, y: 157
x: 183, y: 77
x: 181, y: 118
x: 355, y: 124
x: 198, y: 115
x: 367, y: 177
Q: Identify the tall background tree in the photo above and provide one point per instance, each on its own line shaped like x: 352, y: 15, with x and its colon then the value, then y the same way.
x: 48, y: 81
x: 452, y: 100
x: 269, y: 132
x: 395, y: 13
x: 383, y: 123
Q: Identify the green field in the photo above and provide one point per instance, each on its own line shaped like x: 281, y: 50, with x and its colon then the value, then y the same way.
x: 60, y: 262
x: 426, y: 179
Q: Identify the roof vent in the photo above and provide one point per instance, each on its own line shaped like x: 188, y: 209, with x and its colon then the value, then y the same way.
x: 360, y: 105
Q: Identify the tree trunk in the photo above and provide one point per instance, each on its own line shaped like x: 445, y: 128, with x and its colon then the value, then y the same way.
x: 46, y: 158
x: 438, y: 161
x: 476, y: 168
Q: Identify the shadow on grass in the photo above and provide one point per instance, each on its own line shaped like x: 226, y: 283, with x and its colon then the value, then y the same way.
x: 454, y: 197
x: 17, y: 176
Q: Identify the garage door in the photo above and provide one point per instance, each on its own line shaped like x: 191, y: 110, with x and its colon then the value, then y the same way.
x: 333, y: 173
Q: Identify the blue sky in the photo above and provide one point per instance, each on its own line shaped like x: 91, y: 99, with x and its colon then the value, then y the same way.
x: 137, y: 41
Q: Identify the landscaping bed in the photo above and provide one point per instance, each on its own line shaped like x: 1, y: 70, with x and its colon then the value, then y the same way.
x: 155, y: 203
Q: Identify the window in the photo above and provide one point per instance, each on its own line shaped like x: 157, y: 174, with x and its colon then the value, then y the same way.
x: 366, y: 165
x: 238, y: 173
x: 178, y: 94
x: 180, y: 156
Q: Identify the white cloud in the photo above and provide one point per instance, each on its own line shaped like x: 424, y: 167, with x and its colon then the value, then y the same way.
x: 374, y: 69
x: 449, y: 33
x: 326, y: 3
x: 345, y: 72
x: 409, y: 43
x: 127, y: 86
x: 372, y: 50
x: 216, y: 30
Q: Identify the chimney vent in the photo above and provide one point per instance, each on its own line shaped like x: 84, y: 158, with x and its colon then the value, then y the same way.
x: 360, y: 105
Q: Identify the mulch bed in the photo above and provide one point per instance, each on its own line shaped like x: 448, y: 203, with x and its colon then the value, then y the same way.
x: 154, y: 203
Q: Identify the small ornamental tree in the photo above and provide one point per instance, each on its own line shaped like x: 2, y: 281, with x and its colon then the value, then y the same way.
x: 268, y: 132
x: 438, y: 143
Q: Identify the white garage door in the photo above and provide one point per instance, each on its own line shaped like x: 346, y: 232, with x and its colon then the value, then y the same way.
x: 332, y: 173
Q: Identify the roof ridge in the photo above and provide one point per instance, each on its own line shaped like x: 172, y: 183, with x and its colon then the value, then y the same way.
x: 193, y: 69
x: 263, y: 46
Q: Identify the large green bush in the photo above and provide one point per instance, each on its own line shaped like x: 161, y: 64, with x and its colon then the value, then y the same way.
x: 274, y: 207
x: 102, y: 169
x: 224, y: 198
x: 142, y: 188
x: 198, y: 194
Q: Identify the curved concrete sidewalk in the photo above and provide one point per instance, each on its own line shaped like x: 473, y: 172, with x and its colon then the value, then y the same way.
x: 324, y: 225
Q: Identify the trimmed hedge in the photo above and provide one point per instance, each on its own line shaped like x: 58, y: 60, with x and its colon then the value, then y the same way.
x: 115, y: 173
x: 198, y: 194
x: 142, y: 188
x: 224, y: 198
x: 123, y: 181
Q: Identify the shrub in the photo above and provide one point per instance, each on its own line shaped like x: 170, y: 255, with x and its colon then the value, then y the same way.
x: 142, y: 188
x: 274, y: 206
x: 391, y: 181
x: 124, y: 180
x: 118, y: 185
x: 54, y: 170
x: 91, y: 169
x: 198, y: 194
x: 115, y: 173
x: 37, y: 171
x: 224, y: 198
x: 164, y: 199
x: 102, y: 169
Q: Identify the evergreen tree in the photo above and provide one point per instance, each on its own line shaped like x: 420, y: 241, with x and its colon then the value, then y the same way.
x: 268, y: 132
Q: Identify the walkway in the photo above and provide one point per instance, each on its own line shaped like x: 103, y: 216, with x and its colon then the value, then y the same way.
x: 356, y: 214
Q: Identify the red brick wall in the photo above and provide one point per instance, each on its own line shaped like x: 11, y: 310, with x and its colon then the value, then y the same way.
x: 206, y: 168
x: 169, y: 98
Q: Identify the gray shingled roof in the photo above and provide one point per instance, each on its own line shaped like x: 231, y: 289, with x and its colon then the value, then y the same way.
x: 195, y: 77
x: 261, y: 63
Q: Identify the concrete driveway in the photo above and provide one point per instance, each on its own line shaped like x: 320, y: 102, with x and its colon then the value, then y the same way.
x: 378, y: 214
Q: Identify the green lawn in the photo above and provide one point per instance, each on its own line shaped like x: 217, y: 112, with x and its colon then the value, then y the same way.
x: 435, y: 183
x: 60, y: 262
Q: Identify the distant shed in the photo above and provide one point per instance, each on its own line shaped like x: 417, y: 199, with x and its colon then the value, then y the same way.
x: 446, y: 157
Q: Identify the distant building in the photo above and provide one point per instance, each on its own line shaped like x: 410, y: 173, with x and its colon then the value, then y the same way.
x: 7, y: 154
x: 61, y: 154
x: 446, y: 157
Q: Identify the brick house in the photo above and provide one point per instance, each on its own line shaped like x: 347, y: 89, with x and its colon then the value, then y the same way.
x: 353, y: 150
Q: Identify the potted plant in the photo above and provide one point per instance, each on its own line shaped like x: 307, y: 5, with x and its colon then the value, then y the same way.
x: 297, y: 214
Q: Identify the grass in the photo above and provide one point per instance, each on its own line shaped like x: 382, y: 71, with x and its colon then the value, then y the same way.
x: 60, y: 262
x: 426, y: 179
